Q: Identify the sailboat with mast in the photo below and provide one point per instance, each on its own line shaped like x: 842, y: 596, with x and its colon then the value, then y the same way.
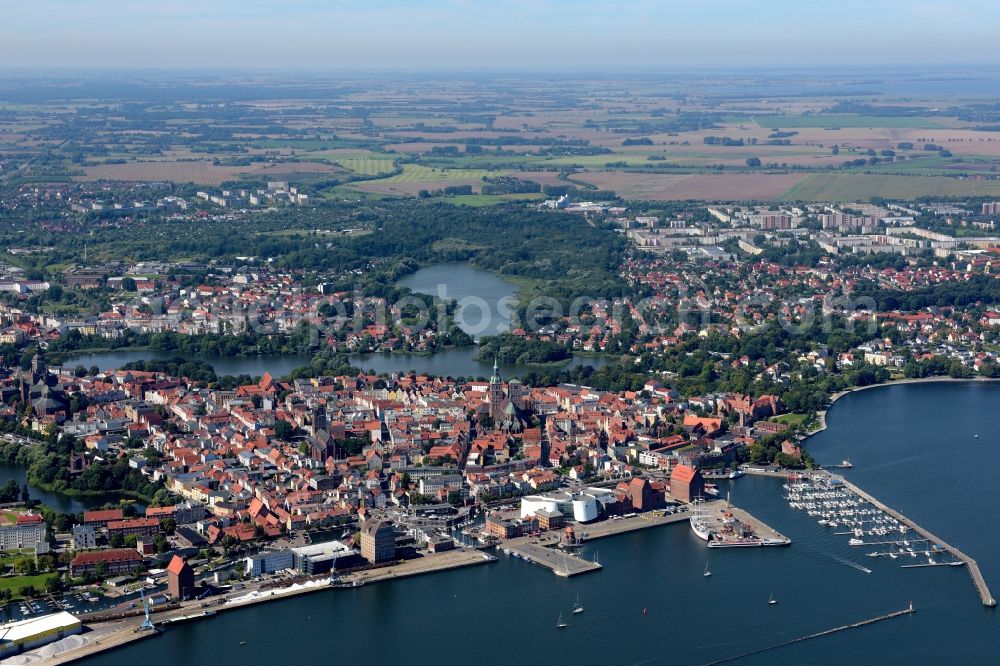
x: 577, y: 607
x: 707, y: 571
x: 561, y: 624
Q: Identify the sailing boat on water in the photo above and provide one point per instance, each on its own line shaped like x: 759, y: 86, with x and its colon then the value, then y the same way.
x: 771, y: 601
x: 595, y: 557
x: 561, y: 624
x: 707, y: 572
x: 577, y: 607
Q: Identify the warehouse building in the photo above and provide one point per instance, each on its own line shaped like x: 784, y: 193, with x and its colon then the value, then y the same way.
x: 36, y: 632
x: 321, y: 558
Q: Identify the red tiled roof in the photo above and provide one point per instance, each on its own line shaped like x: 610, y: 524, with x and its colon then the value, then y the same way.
x: 683, y: 473
x: 176, y: 565
x: 102, y: 515
x: 115, y: 555
x: 135, y: 522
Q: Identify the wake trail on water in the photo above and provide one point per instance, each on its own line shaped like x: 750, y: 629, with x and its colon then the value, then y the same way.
x: 849, y: 563
x: 896, y: 461
x: 816, y: 554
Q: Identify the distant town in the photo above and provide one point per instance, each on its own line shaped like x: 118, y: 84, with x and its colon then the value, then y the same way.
x: 678, y: 293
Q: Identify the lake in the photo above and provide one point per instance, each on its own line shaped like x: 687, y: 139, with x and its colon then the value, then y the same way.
x: 278, y: 365
x: 451, y: 362
x: 912, y: 446
x: 62, y: 503
x: 57, y: 501
x: 485, y: 300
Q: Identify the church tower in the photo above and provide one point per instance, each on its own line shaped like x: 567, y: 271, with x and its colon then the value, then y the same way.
x: 496, y: 393
x: 39, y: 373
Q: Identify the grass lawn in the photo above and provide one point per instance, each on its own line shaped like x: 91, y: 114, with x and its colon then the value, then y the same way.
x: 418, y: 173
x: 485, y: 160
x: 367, y: 166
x: 15, y: 583
x: 526, y: 286
x: 346, y: 192
x: 481, y: 200
x: 791, y: 420
x: 453, y: 244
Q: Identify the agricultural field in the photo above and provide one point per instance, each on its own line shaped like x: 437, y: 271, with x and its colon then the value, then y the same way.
x: 845, y: 120
x: 198, y: 172
x: 645, y: 138
x: 479, y: 200
x: 862, y: 187
x: 367, y: 166
x: 737, y: 186
x: 416, y: 177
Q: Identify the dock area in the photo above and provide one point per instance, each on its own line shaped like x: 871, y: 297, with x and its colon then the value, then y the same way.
x: 103, y: 636
x: 561, y: 562
x: 451, y: 559
x: 715, y: 515
x: 643, y: 521
x: 977, y: 577
x: 545, y: 551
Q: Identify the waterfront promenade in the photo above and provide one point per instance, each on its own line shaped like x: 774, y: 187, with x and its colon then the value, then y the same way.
x: 543, y: 550
x: 545, y: 553
x: 103, y: 636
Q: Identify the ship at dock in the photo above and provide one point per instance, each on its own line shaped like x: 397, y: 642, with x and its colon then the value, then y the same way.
x: 699, y: 522
x: 730, y: 533
x: 736, y: 533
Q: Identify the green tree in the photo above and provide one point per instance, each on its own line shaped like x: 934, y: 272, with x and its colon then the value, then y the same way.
x: 10, y: 491
x: 283, y: 429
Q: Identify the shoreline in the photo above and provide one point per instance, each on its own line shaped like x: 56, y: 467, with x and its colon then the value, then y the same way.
x: 821, y: 415
x: 112, y: 634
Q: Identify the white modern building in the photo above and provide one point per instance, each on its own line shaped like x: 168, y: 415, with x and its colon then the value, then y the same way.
x: 269, y: 561
x: 582, y: 506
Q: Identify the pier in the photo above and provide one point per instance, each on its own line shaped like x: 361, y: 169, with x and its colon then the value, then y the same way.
x: 764, y: 532
x: 544, y: 550
x: 854, y: 625
x: 643, y: 521
x: 559, y: 561
x: 971, y: 565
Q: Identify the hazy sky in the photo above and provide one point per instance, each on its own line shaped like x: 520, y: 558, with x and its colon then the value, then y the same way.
x: 499, y: 34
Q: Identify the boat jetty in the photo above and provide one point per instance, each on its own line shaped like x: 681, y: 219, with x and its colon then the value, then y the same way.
x: 722, y: 525
x: 542, y: 548
x: 841, y: 506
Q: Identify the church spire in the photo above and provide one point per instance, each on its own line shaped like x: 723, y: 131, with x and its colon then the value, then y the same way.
x: 495, y: 379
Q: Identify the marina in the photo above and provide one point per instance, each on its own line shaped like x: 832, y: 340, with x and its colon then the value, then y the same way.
x: 836, y: 502
x: 846, y: 594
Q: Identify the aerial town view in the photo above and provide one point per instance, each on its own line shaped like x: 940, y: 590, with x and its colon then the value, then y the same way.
x: 543, y: 333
